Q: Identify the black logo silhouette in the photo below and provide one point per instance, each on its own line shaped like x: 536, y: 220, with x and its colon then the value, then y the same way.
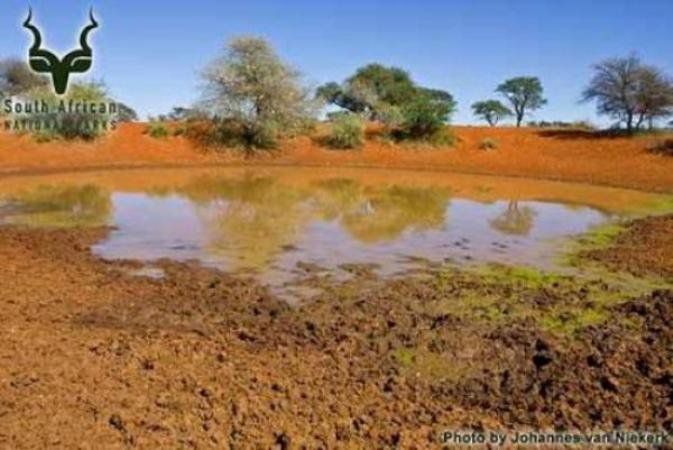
x: 45, y: 61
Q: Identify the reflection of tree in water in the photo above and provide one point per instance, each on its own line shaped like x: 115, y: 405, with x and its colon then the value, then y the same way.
x: 373, y: 214
x: 249, y: 219
x: 514, y: 220
x: 64, y: 206
x: 336, y: 195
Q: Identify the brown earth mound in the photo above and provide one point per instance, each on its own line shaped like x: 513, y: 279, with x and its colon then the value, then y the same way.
x: 92, y: 354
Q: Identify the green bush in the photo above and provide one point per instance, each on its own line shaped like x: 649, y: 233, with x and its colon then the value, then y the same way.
x: 488, y: 144
x: 71, y: 125
x: 232, y: 133
x: 390, y: 116
x: 157, y: 130
x: 347, y: 132
x: 263, y: 135
x: 584, y: 125
x: 443, y: 137
x: 424, y: 119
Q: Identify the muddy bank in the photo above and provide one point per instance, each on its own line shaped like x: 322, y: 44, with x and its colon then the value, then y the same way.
x: 200, y: 359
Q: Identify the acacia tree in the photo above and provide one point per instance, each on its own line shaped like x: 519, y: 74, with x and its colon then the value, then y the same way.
x: 492, y: 111
x: 630, y: 92
x: 251, y: 85
x: 389, y: 95
x: 371, y: 90
x: 524, y: 94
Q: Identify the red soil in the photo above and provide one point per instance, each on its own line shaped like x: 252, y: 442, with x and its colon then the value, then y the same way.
x: 552, y: 154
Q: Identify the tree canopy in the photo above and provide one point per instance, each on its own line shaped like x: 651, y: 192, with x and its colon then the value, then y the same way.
x: 630, y: 92
x: 492, y: 111
x: 525, y: 94
x: 250, y: 84
x: 376, y: 89
x: 389, y: 95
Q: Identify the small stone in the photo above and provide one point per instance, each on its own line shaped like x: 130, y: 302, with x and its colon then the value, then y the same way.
x: 117, y: 422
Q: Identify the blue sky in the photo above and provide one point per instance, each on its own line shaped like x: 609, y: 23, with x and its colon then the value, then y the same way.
x: 150, y: 53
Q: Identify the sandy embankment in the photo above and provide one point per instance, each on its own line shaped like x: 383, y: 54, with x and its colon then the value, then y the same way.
x: 549, y: 154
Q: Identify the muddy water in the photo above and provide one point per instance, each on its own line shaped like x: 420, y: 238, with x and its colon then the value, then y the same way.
x: 279, y: 223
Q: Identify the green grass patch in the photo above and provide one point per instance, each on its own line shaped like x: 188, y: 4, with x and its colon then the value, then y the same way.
x: 524, y: 276
x: 404, y: 357
x: 429, y: 364
x: 558, y: 303
x: 570, y: 322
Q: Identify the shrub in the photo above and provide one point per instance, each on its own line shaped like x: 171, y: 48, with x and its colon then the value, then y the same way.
x: 157, y: 130
x: 232, y: 133
x: 583, y: 125
x: 423, y: 118
x: 347, y: 132
x: 488, y: 144
x: 664, y: 147
x: 67, y: 126
x: 262, y: 135
x: 70, y: 125
x: 390, y: 116
x: 576, y: 125
x: 442, y: 137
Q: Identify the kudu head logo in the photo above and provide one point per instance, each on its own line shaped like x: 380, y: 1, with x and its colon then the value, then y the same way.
x: 44, y: 61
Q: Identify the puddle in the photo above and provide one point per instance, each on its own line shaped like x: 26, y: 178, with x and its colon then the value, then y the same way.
x: 275, y: 223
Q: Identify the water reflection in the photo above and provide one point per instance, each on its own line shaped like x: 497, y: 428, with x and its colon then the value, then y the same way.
x: 269, y: 221
x: 385, y: 214
x: 515, y: 220
x: 250, y: 220
x: 61, y: 206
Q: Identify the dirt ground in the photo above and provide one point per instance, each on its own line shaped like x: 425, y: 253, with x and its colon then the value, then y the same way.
x: 538, y: 153
x: 94, y: 357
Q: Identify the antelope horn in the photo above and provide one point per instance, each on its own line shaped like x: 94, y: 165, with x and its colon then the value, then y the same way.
x: 37, y: 38
x: 85, y: 32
